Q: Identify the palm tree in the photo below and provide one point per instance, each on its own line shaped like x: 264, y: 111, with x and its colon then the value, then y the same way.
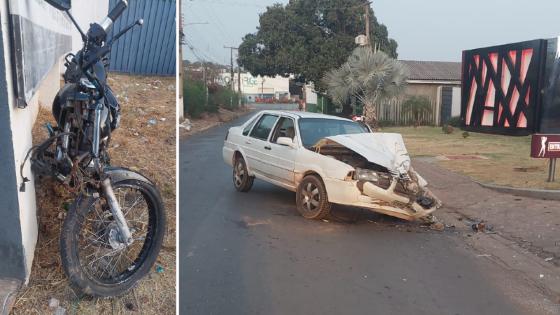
x: 370, y: 77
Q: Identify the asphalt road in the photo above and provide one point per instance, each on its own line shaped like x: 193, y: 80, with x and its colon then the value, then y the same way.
x: 251, y: 253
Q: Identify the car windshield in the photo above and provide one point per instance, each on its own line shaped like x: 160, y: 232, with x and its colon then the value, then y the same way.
x: 315, y: 129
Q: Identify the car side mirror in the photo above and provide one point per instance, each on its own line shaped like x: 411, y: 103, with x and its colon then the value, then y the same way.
x: 63, y: 5
x: 289, y: 142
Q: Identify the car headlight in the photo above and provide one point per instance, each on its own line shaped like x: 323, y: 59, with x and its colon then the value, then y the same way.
x: 366, y: 175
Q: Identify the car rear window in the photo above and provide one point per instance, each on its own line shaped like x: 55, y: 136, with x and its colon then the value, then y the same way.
x: 314, y: 129
x: 264, y: 126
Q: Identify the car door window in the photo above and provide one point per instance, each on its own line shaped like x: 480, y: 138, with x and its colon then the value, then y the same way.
x: 284, y: 128
x: 264, y: 126
x: 250, y: 125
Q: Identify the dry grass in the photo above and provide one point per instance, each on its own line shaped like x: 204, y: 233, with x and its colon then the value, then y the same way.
x: 137, y: 145
x: 509, y: 162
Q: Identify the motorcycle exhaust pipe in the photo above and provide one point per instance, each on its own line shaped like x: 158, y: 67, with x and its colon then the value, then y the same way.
x: 125, y: 234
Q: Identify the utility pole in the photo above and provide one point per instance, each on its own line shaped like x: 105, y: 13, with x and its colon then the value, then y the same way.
x: 239, y: 83
x: 231, y: 56
x: 205, y: 83
x: 232, y: 74
x: 181, y: 67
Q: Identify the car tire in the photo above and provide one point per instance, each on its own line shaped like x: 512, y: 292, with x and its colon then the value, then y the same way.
x: 241, y: 179
x: 311, y: 198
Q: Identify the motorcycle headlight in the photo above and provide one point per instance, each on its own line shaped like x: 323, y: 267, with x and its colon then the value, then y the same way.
x: 366, y: 175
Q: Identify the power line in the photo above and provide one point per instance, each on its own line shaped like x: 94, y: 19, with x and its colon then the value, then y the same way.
x: 233, y: 3
x: 220, y: 25
x: 199, y: 54
x: 215, y: 29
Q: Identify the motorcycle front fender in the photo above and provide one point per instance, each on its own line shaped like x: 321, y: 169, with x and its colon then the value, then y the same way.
x: 118, y: 174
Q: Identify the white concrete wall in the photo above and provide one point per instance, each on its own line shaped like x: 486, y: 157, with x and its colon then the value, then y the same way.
x: 86, y: 12
x: 456, y: 103
x: 310, y: 95
x: 254, y: 85
x: 21, y: 123
x: 22, y: 120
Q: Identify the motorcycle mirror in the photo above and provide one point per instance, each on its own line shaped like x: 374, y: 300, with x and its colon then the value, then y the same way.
x: 63, y: 5
x: 140, y: 22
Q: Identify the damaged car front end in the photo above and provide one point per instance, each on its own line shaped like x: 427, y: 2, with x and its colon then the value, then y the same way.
x: 381, y: 177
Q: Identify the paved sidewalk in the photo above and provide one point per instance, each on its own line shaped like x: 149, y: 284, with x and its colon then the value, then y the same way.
x: 531, y: 223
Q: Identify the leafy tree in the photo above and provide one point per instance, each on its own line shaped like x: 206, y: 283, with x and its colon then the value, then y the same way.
x: 368, y: 76
x: 417, y: 106
x: 307, y: 38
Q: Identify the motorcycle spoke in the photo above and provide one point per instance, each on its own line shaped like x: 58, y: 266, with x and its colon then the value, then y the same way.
x: 102, y: 254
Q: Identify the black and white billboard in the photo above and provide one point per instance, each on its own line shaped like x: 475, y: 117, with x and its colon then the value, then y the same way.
x: 40, y: 36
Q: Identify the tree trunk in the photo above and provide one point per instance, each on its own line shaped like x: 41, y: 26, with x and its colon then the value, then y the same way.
x: 370, y: 115
x: 347, y: 110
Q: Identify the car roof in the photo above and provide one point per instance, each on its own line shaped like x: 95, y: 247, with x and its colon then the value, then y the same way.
x: 298, y: 114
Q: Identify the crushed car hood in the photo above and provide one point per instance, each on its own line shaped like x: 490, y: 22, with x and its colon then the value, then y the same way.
x: 385, y: 149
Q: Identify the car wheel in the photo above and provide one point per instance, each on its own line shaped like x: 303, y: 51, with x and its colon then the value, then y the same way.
x: 311, y: 198
x: 241, y: 179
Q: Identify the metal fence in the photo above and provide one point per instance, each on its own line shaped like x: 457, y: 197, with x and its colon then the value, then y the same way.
x: 151, y: 49
x: 391, y: 113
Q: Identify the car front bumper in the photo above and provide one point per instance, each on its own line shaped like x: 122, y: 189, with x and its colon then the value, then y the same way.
x: 386, y: 201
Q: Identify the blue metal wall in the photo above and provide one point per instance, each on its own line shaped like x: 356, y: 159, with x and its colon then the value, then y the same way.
x: 150, y: 49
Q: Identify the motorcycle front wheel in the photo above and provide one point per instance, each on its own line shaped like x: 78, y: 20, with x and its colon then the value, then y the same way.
x: 96, y: 262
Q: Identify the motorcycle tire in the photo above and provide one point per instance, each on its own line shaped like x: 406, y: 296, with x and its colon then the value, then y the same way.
x: 85, y: 279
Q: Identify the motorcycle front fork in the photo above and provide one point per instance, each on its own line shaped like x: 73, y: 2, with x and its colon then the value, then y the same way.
x: 106, y: 187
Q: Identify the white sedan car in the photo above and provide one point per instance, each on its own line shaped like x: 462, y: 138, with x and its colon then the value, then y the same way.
x: 328, y: 160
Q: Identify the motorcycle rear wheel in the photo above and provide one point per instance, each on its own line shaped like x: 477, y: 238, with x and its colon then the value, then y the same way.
x: 94, y: 259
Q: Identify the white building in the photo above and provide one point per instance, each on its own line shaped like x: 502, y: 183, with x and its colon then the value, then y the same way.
x: 33, y: 39
x: 254, y: 88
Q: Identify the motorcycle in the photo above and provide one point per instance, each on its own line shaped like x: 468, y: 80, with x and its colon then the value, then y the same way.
x: 114, y: 230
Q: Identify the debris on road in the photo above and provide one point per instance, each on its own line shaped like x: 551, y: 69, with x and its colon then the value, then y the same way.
x: 481, y: 226
x: 478, y: 227
x: 187, y: 125
x: 437, y: 226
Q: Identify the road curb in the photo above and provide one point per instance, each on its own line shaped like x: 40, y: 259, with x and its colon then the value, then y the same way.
x: 523, y: 192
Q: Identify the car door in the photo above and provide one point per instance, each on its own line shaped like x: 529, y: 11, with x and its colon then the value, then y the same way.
x: 281, y: 157
x: 257, y: 143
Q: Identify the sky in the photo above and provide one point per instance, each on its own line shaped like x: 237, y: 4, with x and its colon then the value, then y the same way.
x: 437, y: 30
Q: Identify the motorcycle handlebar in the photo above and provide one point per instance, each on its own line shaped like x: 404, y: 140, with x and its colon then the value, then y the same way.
x: 118, y: 10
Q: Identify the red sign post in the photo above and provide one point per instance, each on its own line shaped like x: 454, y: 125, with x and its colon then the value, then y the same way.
x: 545, y: 146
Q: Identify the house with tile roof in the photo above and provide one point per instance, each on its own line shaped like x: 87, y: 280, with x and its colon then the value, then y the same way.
x: 439, y: 81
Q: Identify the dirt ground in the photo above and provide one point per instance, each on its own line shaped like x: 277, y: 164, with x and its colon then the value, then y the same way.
x: 146, y: 142
x: 502, y: 160
x: 190, y: 126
